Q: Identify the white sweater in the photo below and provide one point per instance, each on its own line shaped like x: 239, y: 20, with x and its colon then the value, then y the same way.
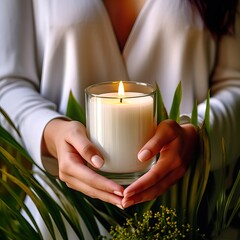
x: 49, y: 47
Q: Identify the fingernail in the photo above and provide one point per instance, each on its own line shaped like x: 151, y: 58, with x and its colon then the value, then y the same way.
x: 128, y: 204
x: 120, y: 206
x: 97, y: 161
x: 128, y: 195
x: 144, y: 155
x: 118, y: 193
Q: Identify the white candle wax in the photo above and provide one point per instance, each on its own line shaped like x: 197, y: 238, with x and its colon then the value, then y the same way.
x: 120, y: 129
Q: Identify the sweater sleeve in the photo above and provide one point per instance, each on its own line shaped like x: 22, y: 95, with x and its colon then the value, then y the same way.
x: 225, y: 100
x: 20, y: 78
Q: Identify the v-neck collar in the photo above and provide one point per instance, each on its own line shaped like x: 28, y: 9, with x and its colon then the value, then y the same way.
x: 136, y: 25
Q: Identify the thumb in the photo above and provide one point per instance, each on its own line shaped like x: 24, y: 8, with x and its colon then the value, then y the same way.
x: 90, y: 153
x: 85, y: 147
x: 165, y: 133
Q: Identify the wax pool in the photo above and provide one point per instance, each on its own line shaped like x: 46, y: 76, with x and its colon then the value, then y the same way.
x: 120, y: 128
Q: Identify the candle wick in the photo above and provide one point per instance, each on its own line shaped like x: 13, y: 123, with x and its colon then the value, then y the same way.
x: 120, y: 100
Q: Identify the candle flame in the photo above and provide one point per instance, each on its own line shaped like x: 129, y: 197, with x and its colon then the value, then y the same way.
x: 120, y: 89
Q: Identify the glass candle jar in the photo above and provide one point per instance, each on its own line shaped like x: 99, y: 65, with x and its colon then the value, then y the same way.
x: 121, y: 118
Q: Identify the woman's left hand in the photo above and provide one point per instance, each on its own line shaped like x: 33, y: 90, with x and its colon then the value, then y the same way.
x: 177, y: 146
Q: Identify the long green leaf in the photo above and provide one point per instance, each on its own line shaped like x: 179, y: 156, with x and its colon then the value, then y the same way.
x: 89, y: 209
x: 175, y: 108
x: 21, y: 230
x: 70, y: 210
x: 55, y: 210
x: 7, y: 138
x: 207, y: 114
x: 51, y: 205
x: 233, y: 214
x: 25, y: 226
x: 194, y: 115
x: 161, y: 109
x: 87, y: 214
x: 229, y: 200
x: 186, y: 181
x: 74, y: 110
x: 37, y: 201
x: 11, y: 160
x: 203, y: 167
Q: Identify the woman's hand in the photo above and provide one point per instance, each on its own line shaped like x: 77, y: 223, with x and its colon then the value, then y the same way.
x: 67, y: 141
x: 177, y: 146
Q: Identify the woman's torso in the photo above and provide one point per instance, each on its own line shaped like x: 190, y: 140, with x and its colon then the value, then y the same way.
x: 77, y: 46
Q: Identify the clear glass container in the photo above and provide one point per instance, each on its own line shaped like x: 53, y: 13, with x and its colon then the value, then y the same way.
x: 119, y: 123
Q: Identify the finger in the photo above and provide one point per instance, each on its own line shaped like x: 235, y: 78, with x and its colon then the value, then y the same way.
x: 168, y: 161
x: 77, y: 137
x: 156, y: 190
x: 93, y: 192
x: 165, y: 133
x: 73, y: 167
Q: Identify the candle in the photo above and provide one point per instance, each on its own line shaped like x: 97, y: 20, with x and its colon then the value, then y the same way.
x: 119, y: 124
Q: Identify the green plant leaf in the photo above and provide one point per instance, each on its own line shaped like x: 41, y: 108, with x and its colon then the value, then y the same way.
x: 161, y: 110
x: 6, y: 138
x: 30, y: 187
x: 194, y: 115
x: 37, y: 201
x: 74, y: 110
x: 26, y: 179
x: 51, y: 206
x: 14, y: 213
x: 19, y: 228
x: 175, y: 108
x: 207, y: 114
x: 229, y: 200
x: 68, y: 209
x: 199, y: 175
x: 84, y: 209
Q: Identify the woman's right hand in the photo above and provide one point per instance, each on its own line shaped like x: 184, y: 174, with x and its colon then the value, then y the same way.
x: 67, y: 141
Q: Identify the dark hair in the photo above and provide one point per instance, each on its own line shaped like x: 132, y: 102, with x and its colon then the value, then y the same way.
x: 218, y: 15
